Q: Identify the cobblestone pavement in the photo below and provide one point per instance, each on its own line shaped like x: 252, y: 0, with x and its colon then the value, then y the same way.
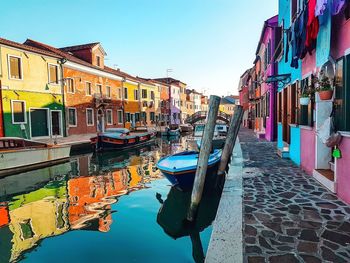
x: 288, y: 216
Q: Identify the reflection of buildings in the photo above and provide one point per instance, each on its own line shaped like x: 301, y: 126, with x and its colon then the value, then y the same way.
x: 35, y: 216
x: 90, y: 200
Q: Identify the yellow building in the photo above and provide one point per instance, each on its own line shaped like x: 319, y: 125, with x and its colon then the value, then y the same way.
x: 31, y: 91
x: 183, y: 102
x: 148, y: 106
x: 131, y: 101
x: 227, y: 105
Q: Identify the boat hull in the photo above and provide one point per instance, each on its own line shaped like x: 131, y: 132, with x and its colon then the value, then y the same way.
x: 185, y: 180
x: 105, y: 143
x: 16, y: 161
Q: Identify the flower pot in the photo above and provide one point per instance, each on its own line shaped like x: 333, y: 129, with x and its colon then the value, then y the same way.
x: 304, y: 101
x: 326, y: 95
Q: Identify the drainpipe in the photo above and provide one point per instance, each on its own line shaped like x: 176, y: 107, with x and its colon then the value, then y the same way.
x: 61, y: 62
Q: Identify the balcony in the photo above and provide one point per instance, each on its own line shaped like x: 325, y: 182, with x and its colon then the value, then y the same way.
x: 101, y: 100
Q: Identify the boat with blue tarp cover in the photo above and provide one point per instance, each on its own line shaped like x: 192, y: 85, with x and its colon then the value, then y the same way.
x: 121, y: 138
x: 180, y: 168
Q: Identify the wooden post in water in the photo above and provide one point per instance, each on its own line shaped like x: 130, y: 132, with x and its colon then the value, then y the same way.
x: 230, y: 139
x: 205, y: 149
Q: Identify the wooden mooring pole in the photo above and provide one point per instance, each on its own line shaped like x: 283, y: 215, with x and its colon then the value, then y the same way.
x: 235, y: 124
x: 205, y: 149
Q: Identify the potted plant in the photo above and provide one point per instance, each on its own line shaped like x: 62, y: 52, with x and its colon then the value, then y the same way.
x: 304, y: 99
x: 325, y: 89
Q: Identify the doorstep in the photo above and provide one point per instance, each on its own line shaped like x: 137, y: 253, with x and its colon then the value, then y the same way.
x: 283, y: 153
x: 326, y: 178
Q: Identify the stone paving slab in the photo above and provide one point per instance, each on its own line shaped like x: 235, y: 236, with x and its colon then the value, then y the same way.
x: 287, y: 215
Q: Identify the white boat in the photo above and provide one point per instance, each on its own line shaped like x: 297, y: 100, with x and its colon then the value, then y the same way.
x: 19, y: 155
x: 219, y: 138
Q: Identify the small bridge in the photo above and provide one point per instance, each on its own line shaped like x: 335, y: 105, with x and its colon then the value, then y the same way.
x: 202, y: 115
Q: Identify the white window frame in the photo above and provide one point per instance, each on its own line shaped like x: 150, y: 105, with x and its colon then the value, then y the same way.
x: 61, y: 123
x: 92, y: 116
x: 108, y: 88
x: 123, y: 93
x: 111, y: 111
x: 86, y: 94
x: 25, y: 112
x: 73, y: 86
x: 76, y: 117
x: 97, y: 89
x: 9, y: 66
x: 98, y: 59
x: 58, y: 74
x: 138, y: 95
x: 122, y: 120
x: 120, y: 95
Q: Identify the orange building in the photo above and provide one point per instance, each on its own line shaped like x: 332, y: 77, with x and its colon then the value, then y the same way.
x: 90, y: 199
x: 92, y: 91
x: 4, y: 216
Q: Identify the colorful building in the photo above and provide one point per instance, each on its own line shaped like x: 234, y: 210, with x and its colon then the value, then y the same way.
x: 190, y: 103
x: 227, y: 105
x: 164, y: 103
x: 92, y: 91
x: 147, y: 100
x: 204, y: 103
x: 31, y: 89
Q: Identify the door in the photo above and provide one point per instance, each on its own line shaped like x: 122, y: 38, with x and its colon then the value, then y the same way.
x: 133, y: 120
x: 285, y: 126
x: 39, y: 123
x: 56, y: 123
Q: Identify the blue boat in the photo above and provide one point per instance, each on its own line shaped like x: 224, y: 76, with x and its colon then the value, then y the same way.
x: 180, y: 168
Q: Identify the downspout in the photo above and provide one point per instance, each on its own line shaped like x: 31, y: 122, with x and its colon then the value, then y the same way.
x: 123, y: 102
x: 2, y: 124
x: 65, y: 131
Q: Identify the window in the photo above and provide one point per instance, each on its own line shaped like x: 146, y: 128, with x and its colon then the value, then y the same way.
x: 18, y: 111
x: 143, y: 116
x: 125, y: 93
x: 152, y: 95
x: 108, y: 91
x: 109, y: 117
x: 137, y: 116
x: 99, y: 89
x: 342, y: 95
x: 120, y: 116
x: 144, y: 94
x: 152, y: 116
x: 72, y: 117
x: 53, y: 74
x: 15, y: 67
x: 89, y: 117
x: 70, y: 85
x: 279, y: 42
x: 98, y: 61
x: 119, y: 93
x: 88, y: 88
x: 306, y: 111
x: 174, y: 116
x: 136, y: 94
x: 127, y: 117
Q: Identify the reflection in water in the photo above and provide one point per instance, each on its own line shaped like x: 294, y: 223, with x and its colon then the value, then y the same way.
x: 78, y: 195
x: 172, y: 216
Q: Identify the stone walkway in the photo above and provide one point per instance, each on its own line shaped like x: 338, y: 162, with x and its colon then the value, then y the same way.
x: 287, y: 215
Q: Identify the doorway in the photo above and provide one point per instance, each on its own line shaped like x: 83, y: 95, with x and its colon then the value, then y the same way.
x: 56, y: 123
x: 100, y: 121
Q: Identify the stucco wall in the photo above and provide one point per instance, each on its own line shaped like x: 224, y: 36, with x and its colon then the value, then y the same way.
x: 343, y: 171
x: 307, y: 150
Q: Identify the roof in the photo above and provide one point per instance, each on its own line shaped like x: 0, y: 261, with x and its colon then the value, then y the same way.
x: 28, y: 48
x: 79, y: 47
x: 170, y: 81
x: 272, y: 21
x: 66, y: 55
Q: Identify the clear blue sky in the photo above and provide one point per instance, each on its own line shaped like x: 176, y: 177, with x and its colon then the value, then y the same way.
x: 207, y: 43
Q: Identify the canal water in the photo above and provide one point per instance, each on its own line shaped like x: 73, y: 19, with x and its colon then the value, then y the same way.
x: 111, y: 207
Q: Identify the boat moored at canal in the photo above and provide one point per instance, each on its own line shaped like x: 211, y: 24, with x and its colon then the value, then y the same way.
x: 120, y: 139
x: 180, y: 168
x: 19, y: 155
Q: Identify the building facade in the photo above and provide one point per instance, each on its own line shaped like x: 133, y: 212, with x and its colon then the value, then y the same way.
x: 31, y: 100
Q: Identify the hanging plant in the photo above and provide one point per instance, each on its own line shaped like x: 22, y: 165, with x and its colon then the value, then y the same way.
x: 324, y: 87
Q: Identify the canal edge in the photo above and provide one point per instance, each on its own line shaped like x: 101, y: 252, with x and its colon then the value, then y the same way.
x: 226, y: 241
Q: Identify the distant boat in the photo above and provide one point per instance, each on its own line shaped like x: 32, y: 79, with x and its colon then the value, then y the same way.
x: 186, y: 128
x: 219, y: 139
x: 171, y: 132
x: 120, y: 139
x: 20, y: 155
x: 180, y: 168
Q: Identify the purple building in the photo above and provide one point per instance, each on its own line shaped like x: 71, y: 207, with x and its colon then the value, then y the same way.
x: 265, y: 124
